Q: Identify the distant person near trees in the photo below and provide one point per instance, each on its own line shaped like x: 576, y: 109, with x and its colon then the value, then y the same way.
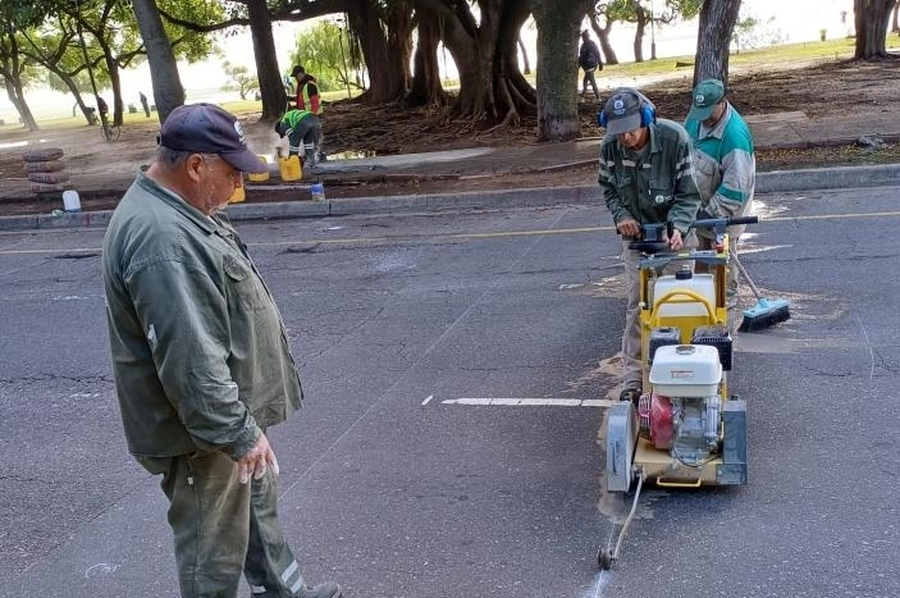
x: 589, y: 60
x: 144, y: 104
x: 307, y: 97
x: 724, y: 165
x: 102, y: 108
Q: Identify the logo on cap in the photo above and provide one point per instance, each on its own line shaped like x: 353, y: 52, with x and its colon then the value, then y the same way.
x: 700, y: 99
x: 618, y: 106
x: 240, y: 132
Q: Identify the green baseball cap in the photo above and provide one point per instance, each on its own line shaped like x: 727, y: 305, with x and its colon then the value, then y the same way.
x: 706, y: 95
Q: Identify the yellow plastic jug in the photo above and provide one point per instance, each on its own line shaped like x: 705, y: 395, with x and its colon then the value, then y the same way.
x: 238, y: 196
x: 259, y: 177
x: 290, y: 168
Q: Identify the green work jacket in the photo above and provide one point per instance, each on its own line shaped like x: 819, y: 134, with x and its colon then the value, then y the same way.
x: 200, y: 354
x: 725, y: 164
x: 658, y: 188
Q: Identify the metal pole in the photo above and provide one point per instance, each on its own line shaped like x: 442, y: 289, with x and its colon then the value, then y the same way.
x: 652, y: 32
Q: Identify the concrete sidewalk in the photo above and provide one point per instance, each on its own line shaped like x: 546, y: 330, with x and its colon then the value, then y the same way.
x: 773, y: 131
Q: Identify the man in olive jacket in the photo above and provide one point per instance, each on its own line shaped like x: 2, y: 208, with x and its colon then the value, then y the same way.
x: 646, y: 176
x: 201, y: 360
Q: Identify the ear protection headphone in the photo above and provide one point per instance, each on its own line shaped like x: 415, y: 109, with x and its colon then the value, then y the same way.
x: 648, y: 110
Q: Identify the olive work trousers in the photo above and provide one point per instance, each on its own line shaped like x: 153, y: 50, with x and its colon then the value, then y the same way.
x: 223, y: 528
x: 632, y: 368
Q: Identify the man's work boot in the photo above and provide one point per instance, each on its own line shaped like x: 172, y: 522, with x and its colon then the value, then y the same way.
x: 329, y: 589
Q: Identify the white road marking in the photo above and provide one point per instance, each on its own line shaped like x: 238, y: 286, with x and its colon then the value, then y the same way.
x: 526, y: 402
x: 427, y: 400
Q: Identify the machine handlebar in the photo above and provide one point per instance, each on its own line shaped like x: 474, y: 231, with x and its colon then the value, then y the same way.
x: 714, y: 223
x: 653, y: 241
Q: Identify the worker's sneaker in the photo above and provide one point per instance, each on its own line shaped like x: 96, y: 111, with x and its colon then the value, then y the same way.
x: 329, y: 589
x: 631, y: 393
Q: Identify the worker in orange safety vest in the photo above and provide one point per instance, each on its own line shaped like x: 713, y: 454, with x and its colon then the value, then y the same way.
x: 307, y: 91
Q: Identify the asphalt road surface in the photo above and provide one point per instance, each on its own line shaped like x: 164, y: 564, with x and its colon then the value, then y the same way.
x: 414, y: 472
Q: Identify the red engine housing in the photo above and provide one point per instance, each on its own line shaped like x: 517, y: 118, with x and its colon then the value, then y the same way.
x: 655, y: 417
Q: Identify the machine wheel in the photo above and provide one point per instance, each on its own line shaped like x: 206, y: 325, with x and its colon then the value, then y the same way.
x: 604, y: 559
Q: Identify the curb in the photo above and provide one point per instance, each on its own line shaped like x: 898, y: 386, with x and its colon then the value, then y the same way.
x: 779, y: 181
x: 811, y: 179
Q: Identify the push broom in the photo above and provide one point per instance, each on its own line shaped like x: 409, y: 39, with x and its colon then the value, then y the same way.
x: 766, y: 312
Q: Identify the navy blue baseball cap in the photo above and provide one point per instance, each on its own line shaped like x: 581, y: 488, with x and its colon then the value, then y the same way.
x: 623, y: 112
x: 207, y: 129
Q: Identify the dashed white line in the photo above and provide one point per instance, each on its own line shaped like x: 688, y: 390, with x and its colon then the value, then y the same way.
x: 427, y: 400
x: 530, y: 402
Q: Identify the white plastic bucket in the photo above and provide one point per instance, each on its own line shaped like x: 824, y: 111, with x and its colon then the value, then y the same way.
x: 701, y: 284
x: 71, y: 201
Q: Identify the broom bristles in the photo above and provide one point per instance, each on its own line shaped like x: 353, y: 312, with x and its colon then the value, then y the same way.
x: 766, y: 313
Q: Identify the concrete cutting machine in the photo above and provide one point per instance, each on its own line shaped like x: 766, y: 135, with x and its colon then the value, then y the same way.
x: 686, y: 430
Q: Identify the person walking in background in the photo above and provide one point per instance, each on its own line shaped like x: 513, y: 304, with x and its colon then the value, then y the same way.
x: 724, y: 166
x: 307, y: 95
x: 201, y: 360
x: 589, y: 60
x: 144, y: 104
x: 645, y: 177
x: 304, y: 132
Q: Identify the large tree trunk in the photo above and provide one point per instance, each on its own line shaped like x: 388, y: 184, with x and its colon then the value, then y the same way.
x: 426, y: 89
x: 76, y: 93
x: 526, y: 65
x: 872, y: 19
x: 473, y: 47
x: 115, y: 81
x: 386, y: 40
x: 271, y: 88
x: 168, y: 93
x: 639, y: 30
x: 492, y: 87
x: 717, y: 18
x: 609, y: 55
x: 17, y: 97
x: 558, y: 23
x: 11, y: 72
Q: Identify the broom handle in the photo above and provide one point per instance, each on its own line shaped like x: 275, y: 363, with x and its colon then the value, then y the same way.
x: 743, y: 272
